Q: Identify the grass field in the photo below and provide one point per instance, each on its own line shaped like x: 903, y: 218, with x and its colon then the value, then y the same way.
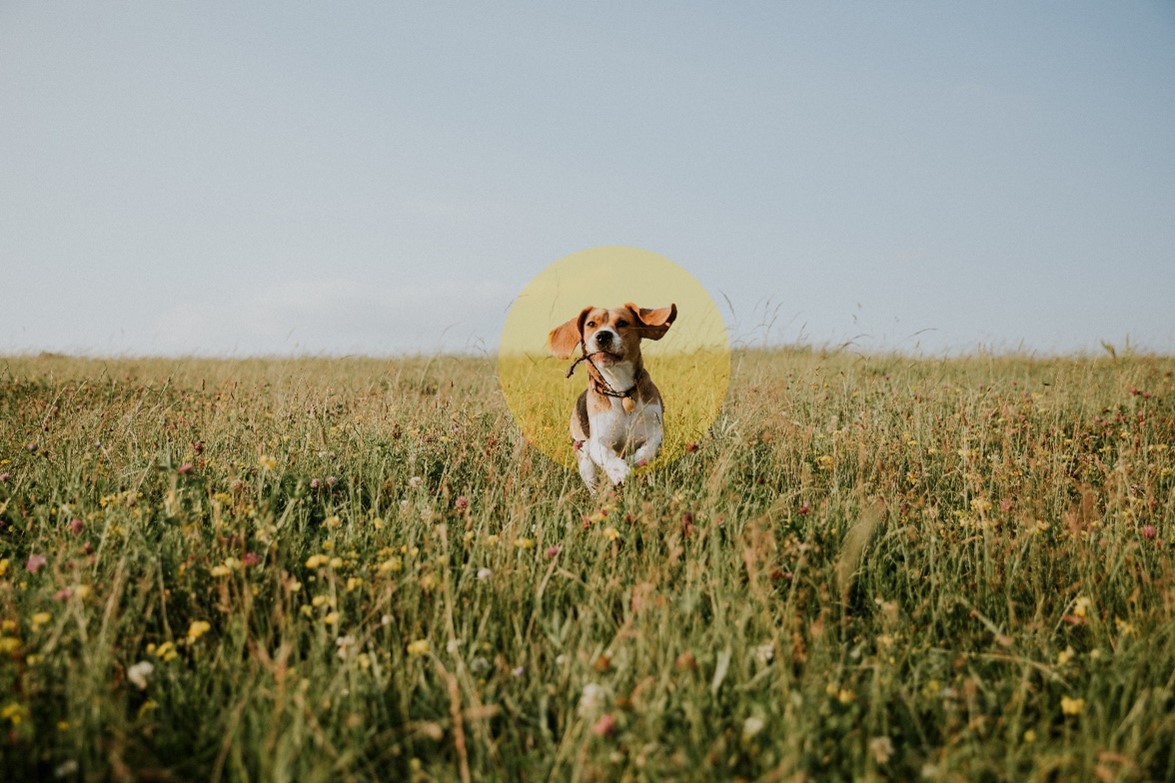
x: 870, y: 569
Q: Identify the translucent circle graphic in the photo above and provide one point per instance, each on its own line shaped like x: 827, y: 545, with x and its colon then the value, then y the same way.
x: 690, y: 365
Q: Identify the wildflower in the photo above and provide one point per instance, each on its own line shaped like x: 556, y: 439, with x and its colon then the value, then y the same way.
x: 76, y: 526
x: 13, y: 712
x: 591, y: 701
x: 353, y: 583
x: 4, y: 565
x: 220, y: 570
x: 484, y: 574
x: 881, y: 748
x: 139, y: 673
x: 611, y: 533
x: 331, y: 618
x: 752, y: 726
x: 343, y: 646
x: 1149, y: 532
x: 197, y: 629
x: 428, y: 582
x: 317, y: 561
x: 4, y: 477
x: 1029, y: 736
x: 691, y: 447
x: 40, y: 618
x: 805, y: 508
x: 1072, y: 706
x: 418, y: 647
x: 251, y: 559
x: 605, y: 726
x: 185, y: 469
x: 35, y: 563
x: 415, y: 482
x: 164, y: 652
x: 315, y: 484
x: 461, y: 504
x: 524, y: 543
x: 267, y: 463
x: 764, y: 653
x: 1065, y: 656
x: 66, y: 769
x: 1081, y: 606
x: 331, y: 522
x: 392, y: 564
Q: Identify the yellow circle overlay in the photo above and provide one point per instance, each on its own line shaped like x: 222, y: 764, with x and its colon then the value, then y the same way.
x: 690, y: 365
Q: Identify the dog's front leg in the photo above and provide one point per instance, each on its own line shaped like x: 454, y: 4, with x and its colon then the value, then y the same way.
x: 587, y: 468
x: 614, y: 466
x: 647, y: 452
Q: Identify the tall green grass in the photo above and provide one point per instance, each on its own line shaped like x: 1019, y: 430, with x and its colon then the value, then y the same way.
x: 871, y: 568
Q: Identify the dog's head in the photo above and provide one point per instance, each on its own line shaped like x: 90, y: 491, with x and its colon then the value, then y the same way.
x: 612, y: 335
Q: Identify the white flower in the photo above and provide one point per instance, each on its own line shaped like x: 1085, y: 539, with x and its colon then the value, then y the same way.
x: 881, y: 748
x: 139, y: 673
x: 591, y: 701
x: 764, y: 653
x: 752, y: 726
x: 484, y: 574
x: 344, y: 645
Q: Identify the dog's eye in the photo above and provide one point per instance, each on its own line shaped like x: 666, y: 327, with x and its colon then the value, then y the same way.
x: 621, y: 324
x: 591, y: 324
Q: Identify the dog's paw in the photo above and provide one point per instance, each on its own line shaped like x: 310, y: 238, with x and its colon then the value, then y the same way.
x: 617, y: 472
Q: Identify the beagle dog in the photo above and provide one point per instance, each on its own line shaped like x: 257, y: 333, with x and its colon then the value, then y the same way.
x: 617, y: 420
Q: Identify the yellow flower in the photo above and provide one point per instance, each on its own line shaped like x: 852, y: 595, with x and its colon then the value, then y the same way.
x: 354, y: 583
x: 1081, y: 606
x: 524, y: 543
x: 267, y: 463
x: 317, y: 561
x: 40, y: 618
x: 611, y: 533
x: 13, y: 712
x: 1065, y: 656
x: 418, y: 647
x: 197, y: 629
x: 165, y: 651
x: 4, y: 566
x: 331, y: 618
x: 220, y: 570
x: 331, y: 522
x: 392, y: 564
x: 9, y: 644
x: 1072, y: 706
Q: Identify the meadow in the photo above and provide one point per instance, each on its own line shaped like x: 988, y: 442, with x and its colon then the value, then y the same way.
x: 870, y: 568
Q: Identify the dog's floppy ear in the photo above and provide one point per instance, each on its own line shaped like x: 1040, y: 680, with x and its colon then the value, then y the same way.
x: 563, y: 339
x: 654, y: 323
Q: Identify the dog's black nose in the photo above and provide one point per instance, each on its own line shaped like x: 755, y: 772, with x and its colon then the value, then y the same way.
x: 603, y: 338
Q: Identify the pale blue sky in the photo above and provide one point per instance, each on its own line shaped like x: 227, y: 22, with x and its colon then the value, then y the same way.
x: 276, y: 178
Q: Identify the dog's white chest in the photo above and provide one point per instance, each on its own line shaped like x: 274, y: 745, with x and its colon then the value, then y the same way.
x: 624, y: 432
